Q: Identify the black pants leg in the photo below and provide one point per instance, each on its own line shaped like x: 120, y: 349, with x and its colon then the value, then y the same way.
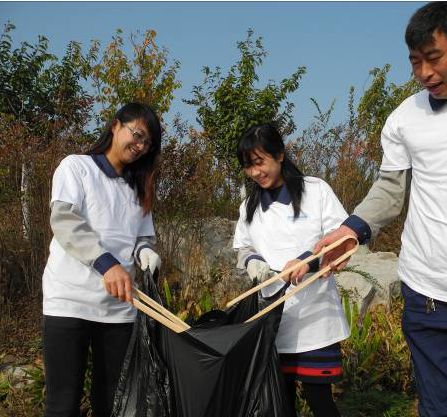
x: 320, y: 400
x: 109, y: 346
x: 318, y: 397
x: 65, y: 349
x: 66, y: 342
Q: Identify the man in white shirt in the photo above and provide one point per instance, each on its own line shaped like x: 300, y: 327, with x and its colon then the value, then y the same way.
x: 414, y: 141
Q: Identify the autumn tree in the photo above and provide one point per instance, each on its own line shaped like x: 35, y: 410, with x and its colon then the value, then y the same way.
x: 144, y: 76
x: 44, y: 111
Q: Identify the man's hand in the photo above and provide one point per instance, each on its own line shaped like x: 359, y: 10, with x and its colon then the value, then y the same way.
x: 149, y: 259
x: 335, y: 253
x: 118, y: 283
x: 296, y: 276
x: 258, y: 269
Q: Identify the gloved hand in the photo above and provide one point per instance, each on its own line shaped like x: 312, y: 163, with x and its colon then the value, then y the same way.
x: 149, y: 259
x: 258, y: 269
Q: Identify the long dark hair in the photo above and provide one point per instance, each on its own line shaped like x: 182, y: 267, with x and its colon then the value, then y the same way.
x: 267, y: 138
x: 140, y: 174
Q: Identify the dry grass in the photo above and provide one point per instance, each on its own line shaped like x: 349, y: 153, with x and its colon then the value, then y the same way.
x: 20, y: 330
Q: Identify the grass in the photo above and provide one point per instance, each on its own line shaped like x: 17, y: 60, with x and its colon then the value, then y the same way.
x: 375, y: 403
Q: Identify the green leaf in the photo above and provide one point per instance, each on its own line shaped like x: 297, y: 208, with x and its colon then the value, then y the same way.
x: 167, y: 291
x: 205, y: 301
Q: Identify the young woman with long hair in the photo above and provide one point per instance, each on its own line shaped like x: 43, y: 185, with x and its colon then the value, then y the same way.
x: 284, y: 215
x: 101, y: 219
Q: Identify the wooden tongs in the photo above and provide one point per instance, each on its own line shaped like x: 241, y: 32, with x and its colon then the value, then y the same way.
x: 157, y: 311
x: 293, y: 268
x: 170, y: 320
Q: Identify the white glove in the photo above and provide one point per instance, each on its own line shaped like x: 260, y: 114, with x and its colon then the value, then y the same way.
x: 149, y: 259
x: 258, y: 269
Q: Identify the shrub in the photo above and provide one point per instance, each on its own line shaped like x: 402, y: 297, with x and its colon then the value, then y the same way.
x: 376, y: 354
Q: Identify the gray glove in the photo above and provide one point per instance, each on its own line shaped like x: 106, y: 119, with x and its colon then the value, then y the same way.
x: 258, y: 269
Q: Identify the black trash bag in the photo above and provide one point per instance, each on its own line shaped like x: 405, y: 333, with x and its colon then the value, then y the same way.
x: 143, y: 389
x: 221, y: 367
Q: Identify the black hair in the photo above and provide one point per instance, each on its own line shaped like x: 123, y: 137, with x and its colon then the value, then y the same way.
x: 426, y: 20
x: 140, y: 174
x: 267, y: 138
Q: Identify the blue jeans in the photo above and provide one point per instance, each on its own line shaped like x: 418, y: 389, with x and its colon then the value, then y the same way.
x: 426, y: 333
x: 66, y: 342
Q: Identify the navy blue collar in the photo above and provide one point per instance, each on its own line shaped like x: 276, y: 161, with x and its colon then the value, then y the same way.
x: 436, y: 103
x: 104, y: 165
x: 270, y: 196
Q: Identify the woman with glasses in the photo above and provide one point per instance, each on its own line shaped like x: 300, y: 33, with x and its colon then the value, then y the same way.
x: 101, y: 219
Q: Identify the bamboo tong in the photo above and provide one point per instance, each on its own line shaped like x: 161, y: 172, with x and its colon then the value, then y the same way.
x: 303, y: 284
x: 170, y: 320
x: 157, y: 311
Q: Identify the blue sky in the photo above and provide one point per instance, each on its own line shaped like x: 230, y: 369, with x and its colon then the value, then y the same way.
x: 338, y: 42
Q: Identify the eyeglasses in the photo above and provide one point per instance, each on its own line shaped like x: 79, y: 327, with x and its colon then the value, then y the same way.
x: 138, y: 137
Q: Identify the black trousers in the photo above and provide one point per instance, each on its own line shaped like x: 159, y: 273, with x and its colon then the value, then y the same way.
x: 66, y: 342
x: 318, y: 397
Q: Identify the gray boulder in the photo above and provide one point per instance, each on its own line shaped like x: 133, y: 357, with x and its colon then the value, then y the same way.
x: 359, y: 290
x: 206, y: 257
x: 17, y: 376
x: 374, y: 275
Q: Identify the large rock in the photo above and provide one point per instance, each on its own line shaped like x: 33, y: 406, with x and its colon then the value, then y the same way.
x: 17, y: 376
x: 206, y: 246
x: 377, y: 270
x: 211, y: 260
x: 359, y: 290
x: 218, y: 242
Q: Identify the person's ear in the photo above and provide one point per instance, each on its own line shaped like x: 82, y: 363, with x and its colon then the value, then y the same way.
x: 115, y: 126
x: 280, y: 157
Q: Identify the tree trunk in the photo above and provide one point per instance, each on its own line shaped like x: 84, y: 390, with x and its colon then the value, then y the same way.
x: 25, y: 188
x: 243, y: 192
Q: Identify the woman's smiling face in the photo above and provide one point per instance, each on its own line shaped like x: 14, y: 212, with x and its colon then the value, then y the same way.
x: 264, y: 169
x: 130, y: 141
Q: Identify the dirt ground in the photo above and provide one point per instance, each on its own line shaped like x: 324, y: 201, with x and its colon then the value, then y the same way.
x: 20, y: 331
